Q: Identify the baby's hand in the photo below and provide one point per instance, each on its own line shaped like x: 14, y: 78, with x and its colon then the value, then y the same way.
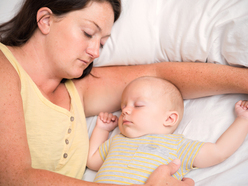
x: 241, y: 108
x: 107, y: 121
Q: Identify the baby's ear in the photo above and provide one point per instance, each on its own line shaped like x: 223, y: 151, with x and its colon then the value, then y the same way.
x: 171, y: 119
x: 43, y: 19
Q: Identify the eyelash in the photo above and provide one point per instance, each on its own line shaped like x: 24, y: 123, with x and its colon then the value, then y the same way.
x: 90, y: 36
x: 134, y: 106
x: 87, y: 35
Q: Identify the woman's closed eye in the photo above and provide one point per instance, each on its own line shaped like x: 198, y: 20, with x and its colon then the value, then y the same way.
x: 87, y: 35
x: 90, y: 36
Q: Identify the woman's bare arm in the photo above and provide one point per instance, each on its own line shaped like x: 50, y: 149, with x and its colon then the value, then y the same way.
x: 193, y: 79
x: 15, y: 160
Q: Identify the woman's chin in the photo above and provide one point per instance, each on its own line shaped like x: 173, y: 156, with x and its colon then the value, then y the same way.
x: 76, y: 75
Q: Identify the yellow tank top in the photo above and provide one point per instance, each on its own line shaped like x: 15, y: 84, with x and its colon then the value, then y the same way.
x: 57, y: 138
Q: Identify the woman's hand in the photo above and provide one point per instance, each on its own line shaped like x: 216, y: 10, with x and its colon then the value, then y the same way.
x: 163, y: 176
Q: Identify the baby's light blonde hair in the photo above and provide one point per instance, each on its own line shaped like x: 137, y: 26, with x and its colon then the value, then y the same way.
x: 166, y: 90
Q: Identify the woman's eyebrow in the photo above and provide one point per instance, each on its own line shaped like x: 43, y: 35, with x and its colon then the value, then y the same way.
x: 98, y: 27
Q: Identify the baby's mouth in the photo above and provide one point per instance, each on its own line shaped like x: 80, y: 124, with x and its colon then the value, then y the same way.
x: 126, y: 122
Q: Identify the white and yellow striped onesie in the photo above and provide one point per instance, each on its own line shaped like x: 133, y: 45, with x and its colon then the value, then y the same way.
x: 132, y: 160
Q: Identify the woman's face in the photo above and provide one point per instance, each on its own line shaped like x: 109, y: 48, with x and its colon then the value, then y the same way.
x: 75, y: 40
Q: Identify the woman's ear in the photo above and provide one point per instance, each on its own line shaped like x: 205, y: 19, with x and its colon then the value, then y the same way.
x: 171, y: 119
x: 44, y: 19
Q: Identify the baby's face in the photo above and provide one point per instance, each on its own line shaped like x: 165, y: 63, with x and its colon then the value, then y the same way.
x: 143, y: 112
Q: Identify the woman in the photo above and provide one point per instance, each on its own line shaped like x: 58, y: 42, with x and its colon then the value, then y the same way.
x: 43, y: 129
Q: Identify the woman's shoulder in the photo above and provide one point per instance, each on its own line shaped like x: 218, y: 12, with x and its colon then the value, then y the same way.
x: 8, y: 73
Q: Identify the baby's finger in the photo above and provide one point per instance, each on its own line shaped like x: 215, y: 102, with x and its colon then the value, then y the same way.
x: 238, y: 104
x: 100, y: 115
x: 109, y: 118
x: 103, y: 116
x: 245, y: 104
x: 106, y: 117
x: 242, y: 103
x: 114, y: 118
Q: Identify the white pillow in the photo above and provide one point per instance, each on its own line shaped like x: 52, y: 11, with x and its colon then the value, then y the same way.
x: 151, y: 31
x: 8, y: 8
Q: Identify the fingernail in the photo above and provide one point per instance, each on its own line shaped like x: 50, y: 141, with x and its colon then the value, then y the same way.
x: 176, y: 161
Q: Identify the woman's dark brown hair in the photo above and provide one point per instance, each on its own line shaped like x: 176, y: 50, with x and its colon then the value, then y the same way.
x: 20, y: 28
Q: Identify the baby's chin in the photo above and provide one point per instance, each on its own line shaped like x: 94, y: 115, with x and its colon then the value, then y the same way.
x: 137, y: 135
x: 128, y: 135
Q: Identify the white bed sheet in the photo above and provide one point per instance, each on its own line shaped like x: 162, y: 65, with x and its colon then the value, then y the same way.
x: 206, y: 119
x: 212, y: 31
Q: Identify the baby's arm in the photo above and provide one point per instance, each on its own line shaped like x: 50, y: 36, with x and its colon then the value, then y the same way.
x: 214, y: 153
x: 106, y: 122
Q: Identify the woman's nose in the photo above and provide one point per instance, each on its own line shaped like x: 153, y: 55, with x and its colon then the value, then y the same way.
x: 94, y: 49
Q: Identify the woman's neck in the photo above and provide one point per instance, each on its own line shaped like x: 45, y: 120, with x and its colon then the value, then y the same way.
x: 32, y: 59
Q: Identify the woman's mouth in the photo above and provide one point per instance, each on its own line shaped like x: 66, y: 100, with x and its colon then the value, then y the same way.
x: 84, y: 62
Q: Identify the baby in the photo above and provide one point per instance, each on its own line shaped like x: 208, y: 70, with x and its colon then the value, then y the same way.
x: 152, y: 108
